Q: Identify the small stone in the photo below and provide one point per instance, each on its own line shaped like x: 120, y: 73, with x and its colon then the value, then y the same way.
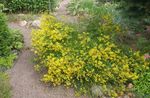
x: 36, y: 23
x: 23, y: 23
x: 147, y: 56
x: 130, y: 95
x: 57, y: 8
x: 126, y: 96
x: 21, y: 15
x: 130, y: 85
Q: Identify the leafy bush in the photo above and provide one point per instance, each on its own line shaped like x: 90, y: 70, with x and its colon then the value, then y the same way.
x: 10, y: 40
x: 4, y: 86
x: 5, y: 37
x: 6, y: 62
x: 30, y: 5
x: 77, y: 7
x: 84, y: 59
x: 17, y: 40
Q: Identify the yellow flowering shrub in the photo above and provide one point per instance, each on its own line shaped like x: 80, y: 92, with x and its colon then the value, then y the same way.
x: 81, y: 60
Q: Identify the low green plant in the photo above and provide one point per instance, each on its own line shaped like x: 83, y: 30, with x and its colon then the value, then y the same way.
x: 7, y: 62
x: 10, y: 41
x: 17, y: 40
x: 4, y: 86
x: 126, y: 38
x: 142, y: 85
x: 77, y: 7
x: 84, y: 59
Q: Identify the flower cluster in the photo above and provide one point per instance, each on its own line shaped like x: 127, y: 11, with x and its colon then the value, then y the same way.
x: 84, y: 59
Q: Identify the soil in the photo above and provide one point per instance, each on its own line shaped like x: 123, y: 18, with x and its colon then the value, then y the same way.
x: 24, y: 80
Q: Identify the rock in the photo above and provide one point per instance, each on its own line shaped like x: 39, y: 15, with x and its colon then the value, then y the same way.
x: 21, y: 15
x: 105, y: 97
x: 15, y: 52
x: 23, y: 23
x: 36, y: 23
x: 130, y: 85
x: 97, y: 91
x: 57, y: 8
x: 131, y: 95
x: 147, y: 56
x: 29, y: 24
x: 126, y: 96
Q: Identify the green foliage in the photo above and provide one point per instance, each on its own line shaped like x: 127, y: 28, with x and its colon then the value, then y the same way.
x: 5, y: 37
x: 77, y: 7
x: 90, y: 7
x: 143, y: 44
x: 84, y: 59
x: 10, y: 40
x: 34, y: 6
x: 1, y: 7
x: 6, y: 62
x: 4, y: 86
x: 142, y: 85
x: 17, y: 40
x: 136, y: 7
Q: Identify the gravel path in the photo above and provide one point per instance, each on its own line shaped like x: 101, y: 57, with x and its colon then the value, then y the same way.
x: 61, y: 13
x: 24, y: 80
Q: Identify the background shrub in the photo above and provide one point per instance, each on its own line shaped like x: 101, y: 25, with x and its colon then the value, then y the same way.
x: 134, y: 7
x: 34, y: 6
x: 85, y: 59
x: 90, y: 11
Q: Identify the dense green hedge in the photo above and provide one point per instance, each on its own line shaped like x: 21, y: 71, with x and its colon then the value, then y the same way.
x: 29, y: 5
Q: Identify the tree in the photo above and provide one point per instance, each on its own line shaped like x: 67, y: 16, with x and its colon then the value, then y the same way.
x: 135, y: 7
